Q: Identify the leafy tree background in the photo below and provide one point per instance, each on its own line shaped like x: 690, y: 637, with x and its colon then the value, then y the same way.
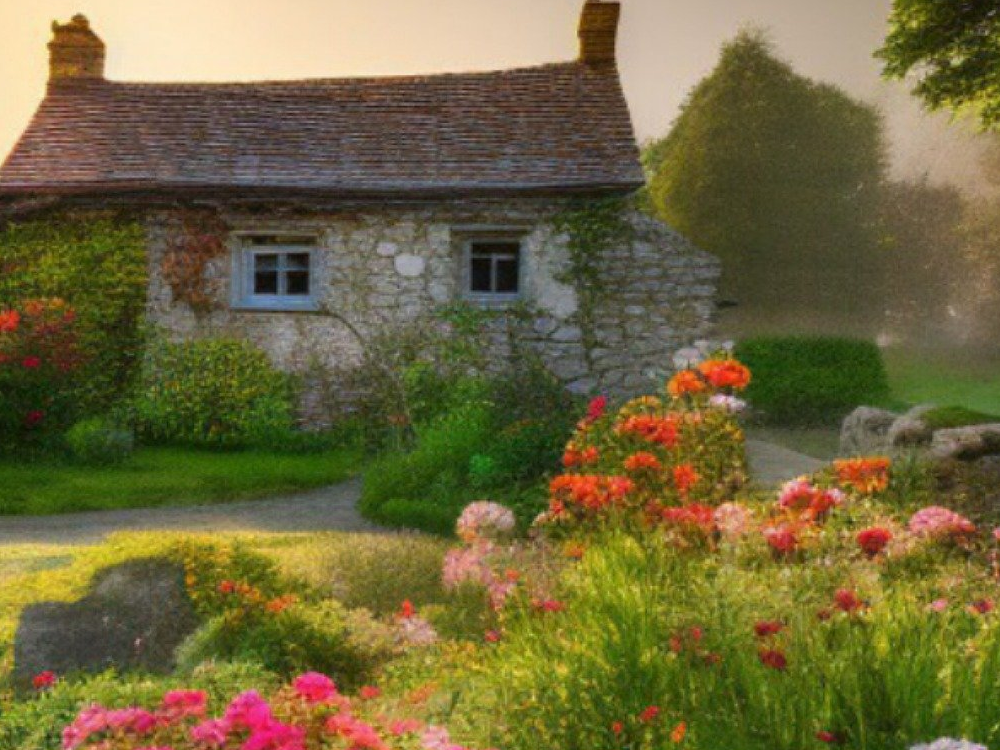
x: 780, y: 177
x: 951, y: 49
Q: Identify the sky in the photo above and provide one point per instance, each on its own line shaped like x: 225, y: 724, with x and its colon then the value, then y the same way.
x: 665, y: 47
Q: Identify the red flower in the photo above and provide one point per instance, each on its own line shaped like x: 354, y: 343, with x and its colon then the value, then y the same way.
x: 725, y: 373
x: 847, y: 600
x: 44, y: 680
x: 865, y: 475
x: 31, y: 363
x: 406, y: 610
x: 829, y: 738
x: 492, y: 636
x: 9, y: 321
x: 660, y: 430
x: 773, y: 658
x: 617, y: 728
x: 873, y: 540
x: 595, y: 410
x: 781, y: 539
x: 649, y: 714
x: 571, y: 458
x: 981, y: 606
x: 369, y: 692
x: 549, y: 605
x: 684, y: 382
x: 590, y: 455
x: 33, y: 418
x: 685, y: 477
x: 642, y: 461
x: 766, y: 628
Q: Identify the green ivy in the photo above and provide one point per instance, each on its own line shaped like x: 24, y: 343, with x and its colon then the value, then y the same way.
x: 97, y: 264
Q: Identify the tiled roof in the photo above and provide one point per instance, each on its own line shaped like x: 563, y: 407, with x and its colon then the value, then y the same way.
x: 553, y: 127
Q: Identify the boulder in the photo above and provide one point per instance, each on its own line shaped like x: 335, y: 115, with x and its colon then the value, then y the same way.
x: 966, y: 443
x: 910, y: 431
x: 865, y: 431
x: 134, y: 617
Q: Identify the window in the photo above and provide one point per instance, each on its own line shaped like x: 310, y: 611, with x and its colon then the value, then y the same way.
x: 276, y: 273
x: 493, y: 269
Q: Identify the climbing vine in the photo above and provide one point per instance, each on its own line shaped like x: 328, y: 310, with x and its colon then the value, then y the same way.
x: 200, y: 239
x: 592, y: 226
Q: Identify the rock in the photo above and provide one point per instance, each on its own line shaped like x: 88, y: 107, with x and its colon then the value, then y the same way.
x: 387, y: 249
x: 134, y: 617
x: 865, y: 431
x: 910, y: 432
x: 966, y: 443
x: 409, y: 265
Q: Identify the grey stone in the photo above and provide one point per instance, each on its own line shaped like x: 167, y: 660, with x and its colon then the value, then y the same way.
x: 865, y: 431
x: 910, y: 431
x: 410, y: 265
x: 387, y: 249
x: 134, y: 617
x: 966, y: 443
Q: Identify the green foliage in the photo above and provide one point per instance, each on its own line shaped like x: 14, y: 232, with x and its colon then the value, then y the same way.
x: 97, y: 265
x: 156, y: 477
x: 802, y: 380
x: 37, y: 724
x: 99, y: 441
x: 947, y: 417
x: 321, y: 636
x: 592, y: 226
x: 216, y: 392
x: 950, y: 51
x: 778, y: 176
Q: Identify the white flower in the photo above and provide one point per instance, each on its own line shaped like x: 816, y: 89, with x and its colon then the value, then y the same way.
x: 485, y: 520
x: 730, y: 403
x: 947, y: 743
x: 687, y: 357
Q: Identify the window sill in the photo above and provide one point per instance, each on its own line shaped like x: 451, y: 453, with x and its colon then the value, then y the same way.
x: 492, y: 301
x: 250, y: 307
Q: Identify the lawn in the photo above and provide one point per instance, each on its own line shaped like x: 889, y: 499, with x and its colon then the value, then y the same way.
x: 167, y: 476
x: 945, y: 379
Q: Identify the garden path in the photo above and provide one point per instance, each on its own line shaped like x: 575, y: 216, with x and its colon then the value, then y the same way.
x: 328, y: 509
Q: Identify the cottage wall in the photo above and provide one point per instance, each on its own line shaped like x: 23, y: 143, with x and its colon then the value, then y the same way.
x: 382, y: 266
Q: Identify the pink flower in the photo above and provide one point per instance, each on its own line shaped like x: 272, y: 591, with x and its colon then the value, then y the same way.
x: 276, y: 736
x: 938, y: 605
x: 733, y: 520
x: 369, y: 692
x: 180, y: 703
x: 936, y: 522
x: 484, y: 520
x: 248, y: 711
x: 595, y: 410
x: 314, y: 687
x: 399, y: 727
x: 212, y: 733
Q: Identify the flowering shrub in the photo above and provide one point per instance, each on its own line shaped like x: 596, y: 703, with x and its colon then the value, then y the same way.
x: 308, y: 714
x: 39, y: 354
x: 653, y: 455
x: 941, y: 524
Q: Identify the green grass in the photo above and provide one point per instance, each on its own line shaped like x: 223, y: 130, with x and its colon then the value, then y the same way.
x: 166, y: 476
x: 946, y: 417
x: 945, y: 379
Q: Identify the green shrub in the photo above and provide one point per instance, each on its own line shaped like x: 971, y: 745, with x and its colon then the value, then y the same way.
x: 322, y: 636
x: 812, y: 379
x: 948, y: 417
x: 216, y: 392
x: 98, y: 441
x: 98, y: 266
x: 37, y: 723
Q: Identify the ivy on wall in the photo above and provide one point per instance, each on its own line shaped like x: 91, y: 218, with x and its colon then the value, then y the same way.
x: 592, y: 226
x: 200, y: 239
x: 96, y: 263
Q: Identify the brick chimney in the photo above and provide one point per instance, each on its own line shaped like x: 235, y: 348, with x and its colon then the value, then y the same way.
x: 75, y: 52
x: 599, y: 33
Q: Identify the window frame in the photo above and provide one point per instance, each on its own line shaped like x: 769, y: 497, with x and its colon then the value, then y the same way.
x: 244, y: 268
x: 488, y: 299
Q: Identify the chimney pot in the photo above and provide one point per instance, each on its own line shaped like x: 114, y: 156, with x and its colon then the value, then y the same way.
x: 599, y: 33
x: 75, y: 52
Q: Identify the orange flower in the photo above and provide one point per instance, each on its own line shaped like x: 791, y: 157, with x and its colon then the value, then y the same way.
x: 590, y: 491
x: 865, y: 475
x: 661, y: 430
x: 281, y: 603
x: 725, y: 373
x: 685, y: 477
x: 643, y: 461
x: 678, y: 733
x: 9, y: 321
x: 571, y: 458
x: 685, y: 382
x: 649, y: 714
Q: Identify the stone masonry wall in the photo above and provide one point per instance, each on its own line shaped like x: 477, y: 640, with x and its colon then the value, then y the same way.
x: 385, y: 265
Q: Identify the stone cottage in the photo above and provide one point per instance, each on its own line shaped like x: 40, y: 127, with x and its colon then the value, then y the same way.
x: 345, y: 205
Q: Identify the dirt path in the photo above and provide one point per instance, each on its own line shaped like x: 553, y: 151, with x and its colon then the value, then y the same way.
x: 328, y: 509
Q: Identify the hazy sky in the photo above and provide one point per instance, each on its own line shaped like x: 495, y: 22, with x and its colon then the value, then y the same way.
x: 666, y: 46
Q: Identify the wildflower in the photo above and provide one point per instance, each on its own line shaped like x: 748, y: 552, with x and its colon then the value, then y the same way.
x: 996, y: 533
x: 590, y: 491
x: 31, y: 362
x: 643, y: 461
x: 571, y: 457
x: 649, y: 714
x: 415, y: 631
x: 725, y: 373
x: 369, y: 692
x: 732, y: 520
x: 33, y: 418
x: 180, y: 703
x: 617, y: 728
x: 484, y: 519
x: 685, y: 382
x: 830, y: 738
x: 773, y: 658
x: 399, y: 727
x: 782, y: 539
x: 492, y: 636
x: 406, y: 610
x: 865, y: 475
x: 276, y: 736
x: 938, y: 605
x: 660, y: 430
x: 212, y: 733
x: 574, y: 550
x: 939, y: 523
x: 947, y: 743
x: 802, y: 497
x: 226, y: 587
x: 314, y: 687
x: 873, y: 540
x: 767, y: 628
x: 847, y: 601
x: 981, y: 606
x: 685, y: 477
x: 678, y: 733
x: 548, y: 605
x: 693, y: 517
x: 727, y: 403
x: 281, y: 603
x: 9, y: 321
x: 596, y: 407
x: 44, y: 680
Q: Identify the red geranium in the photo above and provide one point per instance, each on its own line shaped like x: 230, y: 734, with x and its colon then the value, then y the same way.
x: 685, y: 477
x: 773, y: 658
x: 766, y: 628
x: 847, y: 601
x: 873, y: 540
x: 44, y: 680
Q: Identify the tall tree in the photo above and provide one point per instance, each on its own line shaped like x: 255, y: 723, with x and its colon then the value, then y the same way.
x: 952, y: 49
x: 780, y: 177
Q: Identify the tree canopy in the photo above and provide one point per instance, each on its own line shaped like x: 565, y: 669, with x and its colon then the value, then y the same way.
x: 952, y: 50
x: 779, y: 176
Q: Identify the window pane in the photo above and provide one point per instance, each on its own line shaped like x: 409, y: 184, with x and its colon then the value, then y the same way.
x: 297, y: 261
x: 298, y: 282
x: 506, y: 282
x: 481, y: 275
x: 265, y: 277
